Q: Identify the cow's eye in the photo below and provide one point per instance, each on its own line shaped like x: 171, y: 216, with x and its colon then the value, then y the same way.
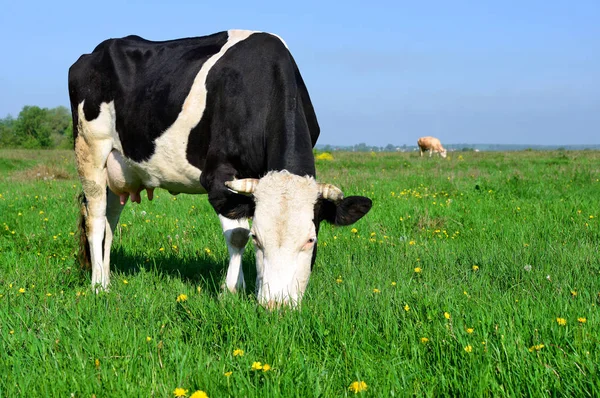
x: 312, y: 240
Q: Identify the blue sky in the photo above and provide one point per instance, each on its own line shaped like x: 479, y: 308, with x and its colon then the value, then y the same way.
x: 379, y: 72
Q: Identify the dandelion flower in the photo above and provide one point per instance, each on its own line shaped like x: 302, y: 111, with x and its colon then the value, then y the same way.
x: 21, y: 290
x: 180, y: 392
x: 181, y: 298
x: 412, y: 242
x: 238, y: 353
x: 469, y: 348
x: 354, y: 230
x: 418, y: 270
x: 339, y: 279
x: 424, y: 340
x: 97, y: 363
x: 573, y: 293
x: 148, y: 339
x: 581, y: 320
x: 406, y: 307
x: 536, y: 347
x: 447, y: 315
x: 206, y: 250
x: 266, y: 367
x: 357, y: 386
x: 561, y: 321
x: 125, y: 281
x: 227, y: 374
x: 199, y: 394
x: 376, y: 290
x: 475, y: 268
x: 470, y: 330
x: 256, y: 366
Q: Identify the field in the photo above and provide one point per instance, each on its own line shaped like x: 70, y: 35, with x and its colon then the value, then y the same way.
x: 477, y: 275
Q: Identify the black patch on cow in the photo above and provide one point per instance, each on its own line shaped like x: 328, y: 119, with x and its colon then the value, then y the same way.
x: 258, y: 118
x: 148, y: 81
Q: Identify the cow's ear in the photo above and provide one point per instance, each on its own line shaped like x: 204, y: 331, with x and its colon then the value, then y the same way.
x: 346, y: 212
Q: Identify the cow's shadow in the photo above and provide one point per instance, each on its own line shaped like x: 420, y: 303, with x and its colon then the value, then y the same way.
x: 207, y: 272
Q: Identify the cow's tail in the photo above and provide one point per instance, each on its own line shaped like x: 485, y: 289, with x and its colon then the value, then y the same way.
x: 84, y: 245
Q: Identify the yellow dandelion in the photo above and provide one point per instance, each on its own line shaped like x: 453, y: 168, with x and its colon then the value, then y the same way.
x: 162, y: 249
x: 199, y: 394
x: 573, y: 293
x: 393, y: 283
x: 357, y: 386
x: 181, y: 298
x: 354, y: 230
x: 125, y: 281
x: 21, y: 290
x: 561, y: 321
x: 470, y: 330
x: 447, y: 315
x: 266, y: 367
x: 174, y: 247
x: 376, y: 290
x: 148, y: 339
x: 339, y: 279
x: 469, y: 348
x: 373, y: 234
x: 227, y: 374
x: 412, y: 242
x: 475, y: 268
x: 48, y: 294
x: 12, y: 332
x: 418, y: 270
x: 206, y: 250
x: 536, y: 347
x: 97, y: 363
x: 581, y: 320
x: 256, y: 366
x: 406, y: 307
x: 238, y: 353
x: 180, y: 392
x: 424, y: 340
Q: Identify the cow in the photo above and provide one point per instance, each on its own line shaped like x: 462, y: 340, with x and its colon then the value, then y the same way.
x: 432, y: 145
x: 226, y: 115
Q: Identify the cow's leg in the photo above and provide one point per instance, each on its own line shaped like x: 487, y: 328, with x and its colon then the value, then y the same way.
x: 113, y: 212
x: 92, y: 147
x: 236, y: 235
x: 430, y: 152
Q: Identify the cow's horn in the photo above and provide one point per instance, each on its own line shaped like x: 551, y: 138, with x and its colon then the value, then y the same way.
x: 246, y: 185
x: 331, y: 192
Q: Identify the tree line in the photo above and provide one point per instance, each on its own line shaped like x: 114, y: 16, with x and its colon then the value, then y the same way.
x: 38, y: 128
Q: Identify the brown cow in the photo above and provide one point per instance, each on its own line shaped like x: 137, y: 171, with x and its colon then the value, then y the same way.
x: 432, y: 145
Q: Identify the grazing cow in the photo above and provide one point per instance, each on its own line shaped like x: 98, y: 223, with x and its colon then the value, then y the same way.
x: 227, y: 115
x: 432, y: 145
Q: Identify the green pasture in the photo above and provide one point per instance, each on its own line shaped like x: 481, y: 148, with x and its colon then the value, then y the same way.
x: 476, y: 275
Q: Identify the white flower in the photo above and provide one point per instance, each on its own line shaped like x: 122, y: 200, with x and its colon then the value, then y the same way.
x: 548, y: 277
x: 527, y: 267
x: 143, y: 213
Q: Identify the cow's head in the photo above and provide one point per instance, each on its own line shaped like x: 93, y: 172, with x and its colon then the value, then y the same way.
x: 444, y: 153
x: 289, y: 209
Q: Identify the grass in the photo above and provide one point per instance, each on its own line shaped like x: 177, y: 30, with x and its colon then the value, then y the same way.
x: 477, y: 275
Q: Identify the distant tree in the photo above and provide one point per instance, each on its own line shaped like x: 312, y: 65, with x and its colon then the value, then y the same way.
x: 390, y: 148
x: 362, y: 147
x: 7, y: 135
x: 31, y: 128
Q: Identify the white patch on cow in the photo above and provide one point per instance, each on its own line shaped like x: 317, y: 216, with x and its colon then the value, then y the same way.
x: 168, y: 168
x: 236, y: 237
x: 284, y: 236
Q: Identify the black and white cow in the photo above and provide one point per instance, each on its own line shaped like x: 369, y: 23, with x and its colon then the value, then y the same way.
x: 227, y: 115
